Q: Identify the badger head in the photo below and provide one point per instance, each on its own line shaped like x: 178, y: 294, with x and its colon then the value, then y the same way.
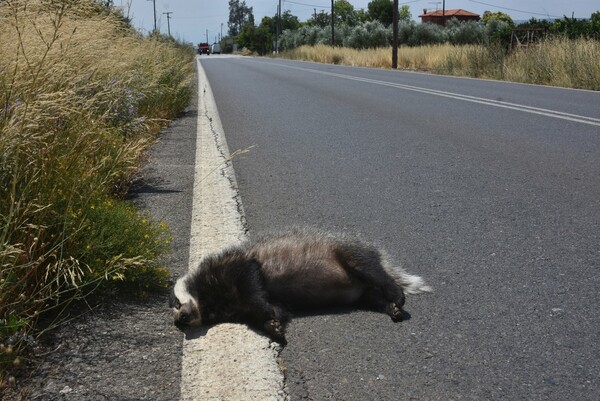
x: 184, y: 305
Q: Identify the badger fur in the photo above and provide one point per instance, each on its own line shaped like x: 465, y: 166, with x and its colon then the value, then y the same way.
x: 261, y: 282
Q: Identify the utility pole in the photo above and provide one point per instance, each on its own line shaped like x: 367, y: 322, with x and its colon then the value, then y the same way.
x: 332, y: 26
x: 168, y: 21
x: 154, y: 2
x: 207, y: 36
x: 278, y: 28
x: 395, y: 36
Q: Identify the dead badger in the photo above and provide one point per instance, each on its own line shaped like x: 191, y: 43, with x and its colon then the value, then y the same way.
x: 259, y: 282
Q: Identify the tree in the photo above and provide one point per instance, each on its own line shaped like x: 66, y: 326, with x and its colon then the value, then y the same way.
x: 263, y: 37
x: 257, y: 39
x: 382, y: 11
x: 534, y: 23
x: 344, y: 13
x: 499, y: 16
x: 288, y: 21
x: 321, y: 19
x: 239, y: 15
x: 595, y: 23
x: 572, y: 27
x: 361, y: 16
x: 246, y: 35
x: 404, y: 13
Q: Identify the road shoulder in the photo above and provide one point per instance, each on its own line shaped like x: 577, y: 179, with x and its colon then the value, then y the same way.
x: 226, y: 361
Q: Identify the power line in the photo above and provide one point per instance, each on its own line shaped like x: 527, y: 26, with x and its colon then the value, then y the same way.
x: 322, y: 6
x: 408, y: 2
x: 304, y: 4
x: 203, y: 17
x: 512, y: 9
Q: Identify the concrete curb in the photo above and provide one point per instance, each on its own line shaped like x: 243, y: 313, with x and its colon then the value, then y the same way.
x: 226, y: 361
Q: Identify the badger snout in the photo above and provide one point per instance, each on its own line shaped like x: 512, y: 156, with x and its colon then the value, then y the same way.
x: 189, y: 314
x: 184, y: 317
x: 184, y: 306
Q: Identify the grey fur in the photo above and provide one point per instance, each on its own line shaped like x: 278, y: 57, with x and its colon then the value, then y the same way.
x: 259, y: 282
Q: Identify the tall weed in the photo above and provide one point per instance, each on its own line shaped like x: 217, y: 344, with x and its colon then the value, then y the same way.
x: 474, y: 61
x: 570, y: 63
x: 82, y: 97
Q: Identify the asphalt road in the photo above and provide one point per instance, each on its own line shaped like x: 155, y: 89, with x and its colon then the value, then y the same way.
x: 489, y: 190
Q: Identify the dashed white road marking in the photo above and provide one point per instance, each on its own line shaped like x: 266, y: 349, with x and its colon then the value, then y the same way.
x: 226, y: 361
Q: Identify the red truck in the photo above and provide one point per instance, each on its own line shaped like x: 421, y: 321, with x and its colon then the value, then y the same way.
x: 203, y: 48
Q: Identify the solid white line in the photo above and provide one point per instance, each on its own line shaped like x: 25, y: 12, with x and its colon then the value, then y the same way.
x: 467, y: 98
x: 226, y: 361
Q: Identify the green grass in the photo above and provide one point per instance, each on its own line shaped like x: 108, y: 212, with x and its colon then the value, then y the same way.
x: 82, y: 98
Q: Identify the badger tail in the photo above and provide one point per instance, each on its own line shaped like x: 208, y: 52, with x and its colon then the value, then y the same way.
x: 411, y: 284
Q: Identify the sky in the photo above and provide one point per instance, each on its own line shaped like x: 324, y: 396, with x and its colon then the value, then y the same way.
x: 190, y: 19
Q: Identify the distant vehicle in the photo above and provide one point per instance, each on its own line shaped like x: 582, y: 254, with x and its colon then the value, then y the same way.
x: 215, y: 48
x: 203, y: 48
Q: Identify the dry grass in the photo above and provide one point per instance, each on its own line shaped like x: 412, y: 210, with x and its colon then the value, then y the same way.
x: 377, y: 58
x: 410, y: 58
x: 81, y: 99
x: 558, y: 62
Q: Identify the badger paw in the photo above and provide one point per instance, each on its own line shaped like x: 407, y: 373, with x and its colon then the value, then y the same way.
x: 395, y: 312
x: 276, y: 331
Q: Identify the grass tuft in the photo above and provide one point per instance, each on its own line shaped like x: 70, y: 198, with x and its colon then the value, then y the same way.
x: 82, y: 97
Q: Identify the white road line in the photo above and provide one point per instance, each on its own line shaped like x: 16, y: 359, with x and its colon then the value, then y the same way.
x: 226, y: 361
x: 474, y: 99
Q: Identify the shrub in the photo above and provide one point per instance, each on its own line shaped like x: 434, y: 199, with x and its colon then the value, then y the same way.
x: 405, y: 31
x: 374, y: 34
x: 498, y: 32
x: 82, y: 96
x: 371, y: 34
x: 426, y: 34
x: 468, y: 32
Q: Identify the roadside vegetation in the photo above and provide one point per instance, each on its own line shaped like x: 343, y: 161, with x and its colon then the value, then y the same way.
x: 565, y: 52
x: 562, y: 52
x: 82, y: 98
x: 569, y: 63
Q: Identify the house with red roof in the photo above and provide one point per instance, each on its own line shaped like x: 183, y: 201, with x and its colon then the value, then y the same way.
x: 440, y: 17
